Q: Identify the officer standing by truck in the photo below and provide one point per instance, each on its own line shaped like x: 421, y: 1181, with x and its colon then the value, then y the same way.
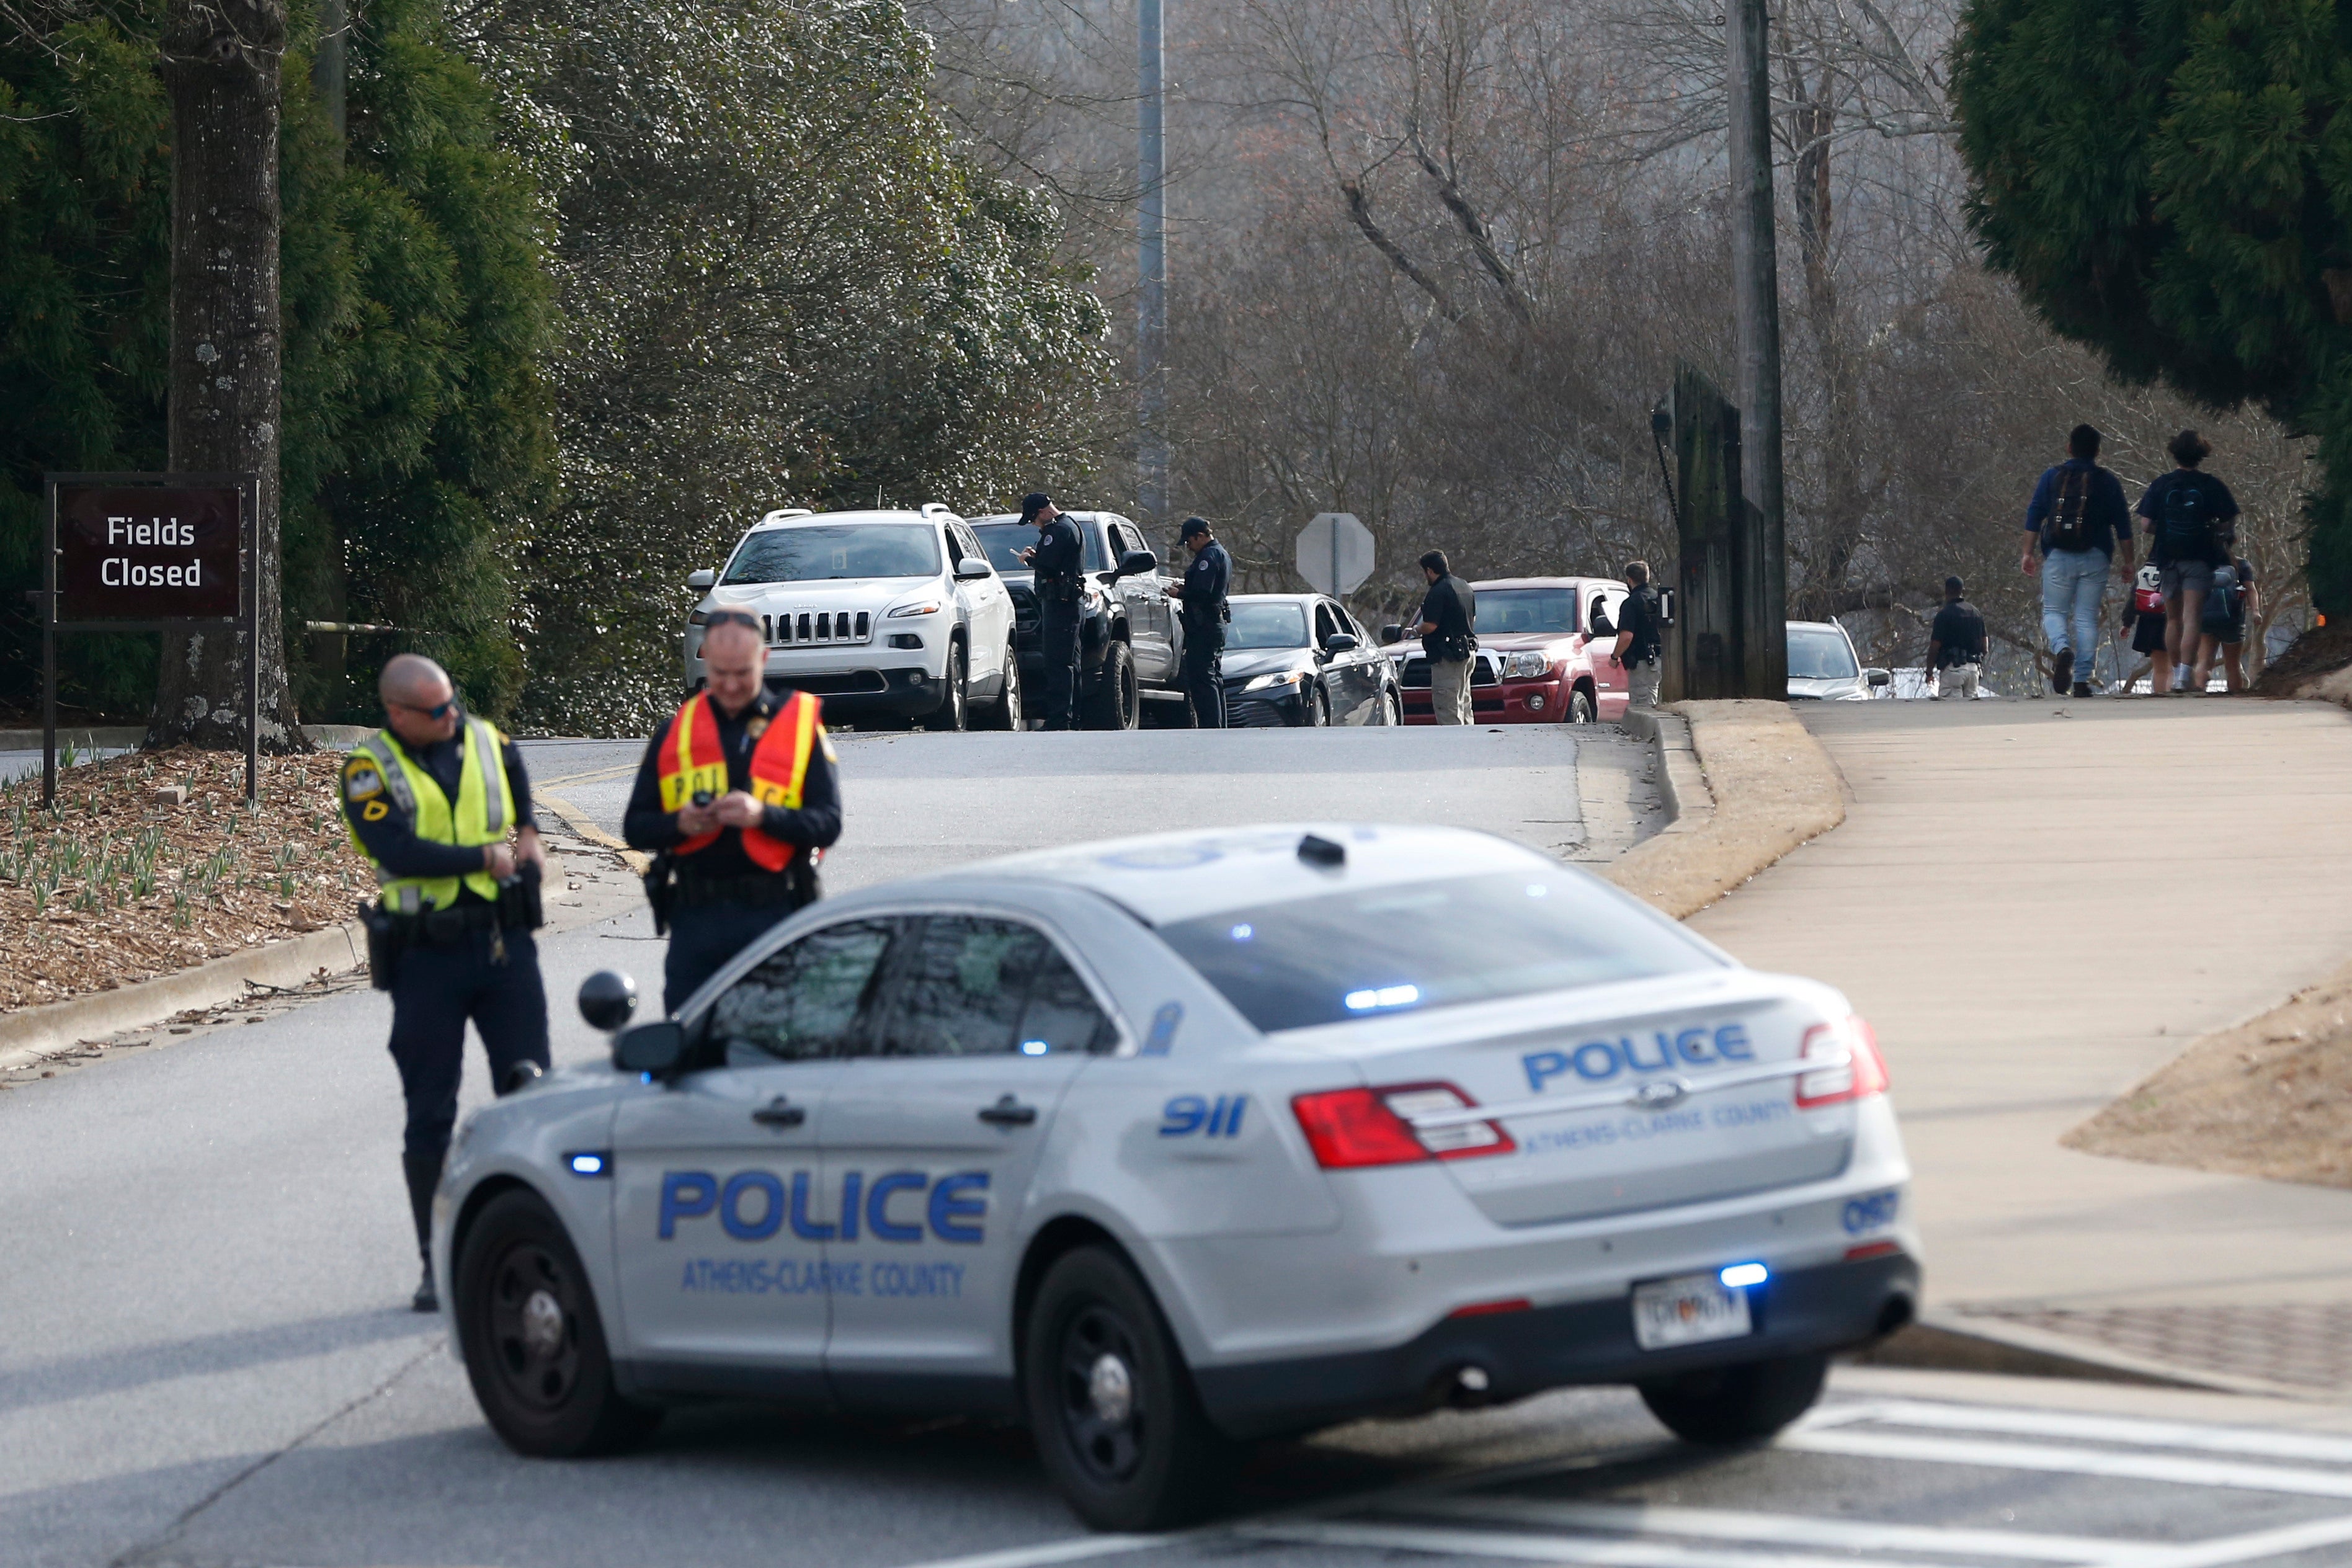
x: 430, y: 799
x: 737, y: 797
x: 1057, y: 559
x: 1203, y: 594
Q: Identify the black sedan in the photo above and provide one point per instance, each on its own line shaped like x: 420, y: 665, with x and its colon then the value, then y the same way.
x: 1301, y: 659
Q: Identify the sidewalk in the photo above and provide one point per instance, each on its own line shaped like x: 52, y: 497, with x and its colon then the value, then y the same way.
x: 2004, y: 904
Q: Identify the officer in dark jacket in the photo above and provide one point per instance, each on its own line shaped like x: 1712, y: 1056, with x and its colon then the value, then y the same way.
x: 737, y: 793
x: 1057, y: 559
x: 1207, y: 581
x: 430, y: 799
x: 1640, y: 643
x: 1956, y: 645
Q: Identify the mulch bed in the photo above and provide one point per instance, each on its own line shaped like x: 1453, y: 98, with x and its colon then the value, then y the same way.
x: 111, y: 888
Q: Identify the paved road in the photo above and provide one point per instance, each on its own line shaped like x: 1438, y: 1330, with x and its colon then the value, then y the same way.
x: 204, y: 1358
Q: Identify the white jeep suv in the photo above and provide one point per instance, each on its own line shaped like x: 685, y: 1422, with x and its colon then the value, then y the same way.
x: 883, y: 613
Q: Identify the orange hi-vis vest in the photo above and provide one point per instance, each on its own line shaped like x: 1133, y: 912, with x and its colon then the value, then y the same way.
x: 692, y: 764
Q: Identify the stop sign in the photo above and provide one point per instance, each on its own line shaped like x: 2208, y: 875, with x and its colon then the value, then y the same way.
x: 1334, y: 552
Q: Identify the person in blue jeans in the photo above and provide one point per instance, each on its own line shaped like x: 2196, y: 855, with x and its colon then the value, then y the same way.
x: 2076, y: 526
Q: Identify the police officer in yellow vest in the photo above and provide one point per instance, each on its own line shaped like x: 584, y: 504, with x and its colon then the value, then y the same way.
x: 737, y: 795
x: 431, y: 798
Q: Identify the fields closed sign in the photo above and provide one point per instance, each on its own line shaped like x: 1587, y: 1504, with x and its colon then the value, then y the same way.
x: 147, y: 553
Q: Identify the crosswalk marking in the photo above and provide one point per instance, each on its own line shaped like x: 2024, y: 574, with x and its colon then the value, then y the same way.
x: 2251, y: 1547
x: 1588, y: 1550
x: 1775, y: 1529
x: 2178, y: 1471
x: 2309, y: 1446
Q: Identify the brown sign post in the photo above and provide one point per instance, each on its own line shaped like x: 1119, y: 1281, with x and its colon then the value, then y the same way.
x: 131, y: 552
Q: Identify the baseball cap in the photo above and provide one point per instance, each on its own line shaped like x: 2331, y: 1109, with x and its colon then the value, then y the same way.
x: 1034, y: 502
x: 1193, y: 525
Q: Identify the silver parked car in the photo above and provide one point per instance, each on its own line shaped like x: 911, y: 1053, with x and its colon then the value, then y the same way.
x: 1822, y: 665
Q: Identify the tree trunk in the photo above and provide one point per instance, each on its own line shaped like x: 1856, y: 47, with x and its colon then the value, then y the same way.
x: 221, y: 61
x: 1838, y: 533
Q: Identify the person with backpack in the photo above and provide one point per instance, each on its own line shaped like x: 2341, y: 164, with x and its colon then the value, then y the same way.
x: 2231, y: 600
x: 1955, y: 646
x: 2190, y: 525
x: 2144, y: 615
x: 2076, y: 524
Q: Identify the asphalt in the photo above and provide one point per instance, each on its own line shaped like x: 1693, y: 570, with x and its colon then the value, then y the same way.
x: 2037, y: 904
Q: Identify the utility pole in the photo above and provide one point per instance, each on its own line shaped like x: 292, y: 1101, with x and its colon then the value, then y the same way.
x: 1756, y: 307
x: 1151, y: 268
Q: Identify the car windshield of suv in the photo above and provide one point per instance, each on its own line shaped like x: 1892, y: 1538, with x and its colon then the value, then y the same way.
x: 1820, y: 655
x: 827, y: 552
x: 1417, y: 945
x: 1265, y: 625
x: 1005, y: 542
x: 1503, y: 611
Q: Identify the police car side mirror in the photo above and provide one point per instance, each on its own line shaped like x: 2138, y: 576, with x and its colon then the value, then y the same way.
x: 971, y: 567
x: 1135, y: 563
x: 655, y: 1049
x: 702, y: 579
x: 1391, y: 634
x: 607, y: 1000
x: 1879, y: 677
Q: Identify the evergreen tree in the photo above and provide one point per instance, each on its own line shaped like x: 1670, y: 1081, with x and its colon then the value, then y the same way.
x: 2171, y: 184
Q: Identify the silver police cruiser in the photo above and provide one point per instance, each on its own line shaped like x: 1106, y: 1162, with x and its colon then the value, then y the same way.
x: 1169, y: 1144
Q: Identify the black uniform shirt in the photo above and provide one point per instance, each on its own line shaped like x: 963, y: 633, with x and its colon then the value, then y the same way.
x: 1060, y: 553
x: 1960, y: 632
x: 1207, y: 580
x: 814, y: 826
x: 1639, y: 615
x: 1452, y: 608
x: 389, y: 835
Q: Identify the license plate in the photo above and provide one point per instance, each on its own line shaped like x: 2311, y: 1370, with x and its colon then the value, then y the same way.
x: 1688, y: 1311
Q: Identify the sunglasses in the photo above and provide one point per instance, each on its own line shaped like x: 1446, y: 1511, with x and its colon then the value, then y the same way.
x: 731, y: 618
x: 435, y: 714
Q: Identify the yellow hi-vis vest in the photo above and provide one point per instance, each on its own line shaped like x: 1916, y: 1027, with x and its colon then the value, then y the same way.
x: 482, y: 815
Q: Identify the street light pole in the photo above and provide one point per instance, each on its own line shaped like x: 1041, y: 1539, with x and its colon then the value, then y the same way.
x: 1756, y: 307
x: 1151, y: 268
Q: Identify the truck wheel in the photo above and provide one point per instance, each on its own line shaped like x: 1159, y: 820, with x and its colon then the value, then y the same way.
x: 1580, y: 706
x: 1112, y: 704
x: 950, y: 714
x: 1737, y: 1403
x: 1006, y: 714
x: 1110, y: 1405
x: 533, y: 1345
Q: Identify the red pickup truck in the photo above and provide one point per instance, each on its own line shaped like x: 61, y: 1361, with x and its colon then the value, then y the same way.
x: 1545, y: 653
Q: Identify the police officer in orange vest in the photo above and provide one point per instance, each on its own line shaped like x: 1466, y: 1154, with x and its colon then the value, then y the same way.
x: 737, y: 796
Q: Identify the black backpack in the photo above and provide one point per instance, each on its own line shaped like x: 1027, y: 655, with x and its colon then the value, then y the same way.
x: 2185, y: 531
x: 2222, y: 600
x: 2068, y: 525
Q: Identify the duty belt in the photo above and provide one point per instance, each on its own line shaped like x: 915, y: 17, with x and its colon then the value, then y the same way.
x: 751, y: 892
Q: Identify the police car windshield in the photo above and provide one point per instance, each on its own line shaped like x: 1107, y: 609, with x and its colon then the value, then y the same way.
x: 1005, y: 541
x: 827, y: 552
x: 1416, y: 945
x: 1820, y: 655
x: 1501, y: 611
x: 1265, y: 625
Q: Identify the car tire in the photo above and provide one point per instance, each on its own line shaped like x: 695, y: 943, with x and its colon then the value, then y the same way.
x: 531, y: 1339
x: 1112, y: 704
x: 1391, y: 707
x: 950, y: 717
x: 1007, y: 712
x: 1317, y: 710
x: 1111, y: 1404
x: 1580, y: 706
x: 1737, y: 1403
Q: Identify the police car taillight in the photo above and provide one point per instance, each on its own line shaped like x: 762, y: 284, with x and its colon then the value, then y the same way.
x: 1352, y: 1127
x: 1860, y: 1076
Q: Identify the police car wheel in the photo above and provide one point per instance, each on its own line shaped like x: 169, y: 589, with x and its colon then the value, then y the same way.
x: 534, y: 1346
x: 1110, y: 1405
x: 1737, y: 1403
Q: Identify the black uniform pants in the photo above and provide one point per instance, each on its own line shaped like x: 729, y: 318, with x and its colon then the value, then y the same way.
x: 1058, y: 644
x: 704, y: 937
x: 1205, y: 678
x: 437, y: 988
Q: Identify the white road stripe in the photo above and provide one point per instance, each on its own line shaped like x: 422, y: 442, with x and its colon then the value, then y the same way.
x: 1586, y: 1551
x: 2183, y: 1471
x: 2251, y: 1547
x: 2312, y: 1447
x: 1076, y: 1550
x: 1777, y: 1529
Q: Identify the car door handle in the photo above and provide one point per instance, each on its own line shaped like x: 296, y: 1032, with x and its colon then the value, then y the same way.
x: 1008, y: 1112
x: 780, y: 1112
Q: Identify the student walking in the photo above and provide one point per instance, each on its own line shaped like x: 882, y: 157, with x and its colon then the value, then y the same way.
x: 2190, y: 517
x: 2144, y: 615
x: 2078, y: 523
x: 2231, y: 600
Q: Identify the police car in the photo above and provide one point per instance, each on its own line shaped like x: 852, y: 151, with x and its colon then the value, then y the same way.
x: 1169, y: 1144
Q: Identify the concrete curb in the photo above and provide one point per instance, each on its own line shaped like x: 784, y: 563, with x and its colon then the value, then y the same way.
x: 1951, y: 1341
x: 1746, y: 783
x: 573, y: 817
x: 31, y: 1034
